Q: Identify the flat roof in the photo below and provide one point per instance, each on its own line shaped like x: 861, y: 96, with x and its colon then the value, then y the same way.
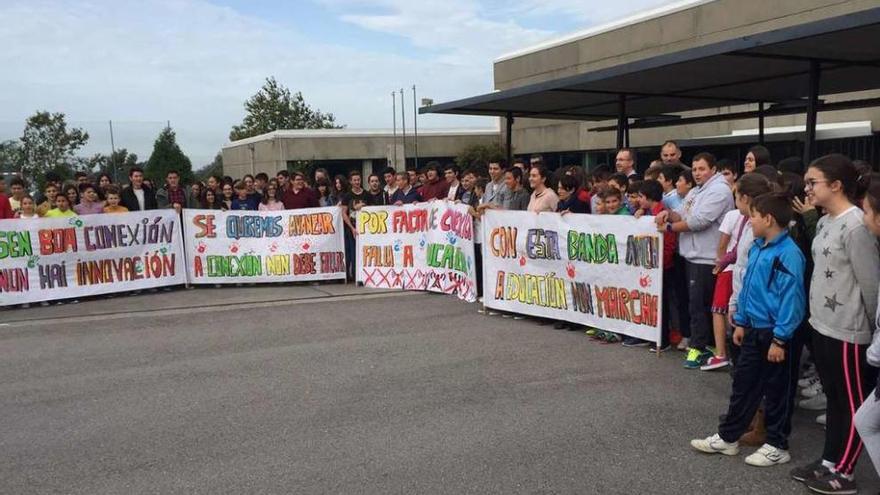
x: 361, y: 133
x: 771, y: 67
x: 647, y: 15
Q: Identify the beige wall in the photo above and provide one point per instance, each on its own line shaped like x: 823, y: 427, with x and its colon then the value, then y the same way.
x: 697, y: 26
x: 272, y: 154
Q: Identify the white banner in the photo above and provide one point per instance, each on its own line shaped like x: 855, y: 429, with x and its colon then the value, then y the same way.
x: 43, y: 259
x: 422, y: 246
x: 603, y: 271
x: 224, y: 247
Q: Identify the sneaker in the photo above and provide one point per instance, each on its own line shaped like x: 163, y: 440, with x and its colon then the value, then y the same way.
x: 833, y: 484
x: 808, y: 381
x: 821, y: 419
x: 634, y: 342
x: 696, y: 358
x: 560, y: 325
x: 767, y: 456
x: 715, y: 445
x: 611, y: 338
x: 813, y: 390
x: 811, y: 471
x: 518, y: 317
x: 815, y: 403
x: 715, y: 363
x: 683, y: 345
x: 591, y: 332
x: 653, y: 348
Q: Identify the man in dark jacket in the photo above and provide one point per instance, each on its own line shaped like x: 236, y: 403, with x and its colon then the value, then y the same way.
x: 138, y: 197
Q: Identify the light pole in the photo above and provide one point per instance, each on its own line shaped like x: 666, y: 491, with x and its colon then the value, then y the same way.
x: 394, y: 119
x: 416, y: 126
x: 403, y: 125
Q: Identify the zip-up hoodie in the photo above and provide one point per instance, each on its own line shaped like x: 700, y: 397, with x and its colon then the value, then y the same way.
x: 843, y: 293
x: 773, y: 294
x: 703, y: 209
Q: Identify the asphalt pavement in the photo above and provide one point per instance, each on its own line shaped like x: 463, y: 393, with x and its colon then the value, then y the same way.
x: 343, y: 390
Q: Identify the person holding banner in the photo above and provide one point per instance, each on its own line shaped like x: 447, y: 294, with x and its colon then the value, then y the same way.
x: 113, y: 205
x: 137, y: 196
x: 434, y: 187
x: 244, y: 201
x: 270, y: 201
x: 697, y: 222
x: 28, y: 208
x: 89, y: 204
x: 496, y: 185
x: 5, y: 208
x: 375, y: 195
x: 62, y: 208
x: 50, y: 191
x: 299, y: 196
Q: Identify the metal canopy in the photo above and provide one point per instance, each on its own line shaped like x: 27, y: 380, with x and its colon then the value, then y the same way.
x: 772, y: 67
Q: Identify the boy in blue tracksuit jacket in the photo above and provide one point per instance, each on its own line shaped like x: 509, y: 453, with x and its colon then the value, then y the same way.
x: 771, y: 306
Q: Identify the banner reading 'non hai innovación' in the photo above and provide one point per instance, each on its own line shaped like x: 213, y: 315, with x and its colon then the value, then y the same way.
x: 423, y: 246
x: 603, y: 271
x: 225, y: 247
x: 42, y: 259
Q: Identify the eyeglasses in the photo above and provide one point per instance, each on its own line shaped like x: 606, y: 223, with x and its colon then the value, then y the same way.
x: 811, y: 183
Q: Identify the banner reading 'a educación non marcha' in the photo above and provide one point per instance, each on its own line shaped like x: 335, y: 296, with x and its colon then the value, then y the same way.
x: 603, y: 271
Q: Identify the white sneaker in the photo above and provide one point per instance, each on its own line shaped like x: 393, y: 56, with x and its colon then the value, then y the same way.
x: 808, y: 381
x: 768, y: 455
x: 683, y: 345
x: 715, y: 445
x: 816, y: 403
x: 821, y: 419
x: 813, y: 390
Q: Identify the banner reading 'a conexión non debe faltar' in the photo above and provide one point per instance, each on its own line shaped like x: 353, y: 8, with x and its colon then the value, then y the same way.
x: 423, y: 246
x: 42, y: 259
x: 225, y: 247
x: 602, y: 271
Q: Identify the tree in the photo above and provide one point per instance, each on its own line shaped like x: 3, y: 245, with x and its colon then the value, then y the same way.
x: 274, y: 108
x: 10, y: 157
x: 47, y: 144
x: 118, y: 164
x: 213, y: 168
x: 480, y: 153
x: 166, y: 156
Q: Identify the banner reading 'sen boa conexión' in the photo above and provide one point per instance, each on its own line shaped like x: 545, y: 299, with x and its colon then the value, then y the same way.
x: 423, y: 246
x: 42, y: 259
x: 603, y: 271
x: 225, y: 247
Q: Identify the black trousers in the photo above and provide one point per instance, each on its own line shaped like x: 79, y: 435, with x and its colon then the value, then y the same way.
x: 666, y: 306
x: 679, y: 292
x: 478, y: 267
x: 755, y: 378
x: 701, y: 287
x: 350, y: 248
x: 847, y: 380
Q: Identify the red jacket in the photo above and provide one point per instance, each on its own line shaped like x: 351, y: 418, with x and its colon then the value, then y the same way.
x: 434, y: 190
x: 5, y: 207
x: 670, y: 240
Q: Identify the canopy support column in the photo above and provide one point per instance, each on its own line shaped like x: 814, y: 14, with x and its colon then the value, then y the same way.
x: 812, y: 111
x: 761, y: 123
x: 622, y: 131
x: 509, y: 138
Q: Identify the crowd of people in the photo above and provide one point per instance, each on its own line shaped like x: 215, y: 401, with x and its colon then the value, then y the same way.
x: 760, y: 262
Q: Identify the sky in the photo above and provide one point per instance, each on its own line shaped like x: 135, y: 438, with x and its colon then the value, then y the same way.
x: 193, y: 63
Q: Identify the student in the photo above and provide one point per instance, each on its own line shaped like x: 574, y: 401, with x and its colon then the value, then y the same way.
x: 5, y: 208
x: 27, y: 208
x: 299, y: 195
x: 728, y: 170
x: 651, y: 202
x: 569, y: 200
x: 243, y: 201
x: 49, y: 192
x: 612, y: 202
x: 325, y: 194
x: 772, y: 305
x: 632, y: 196
x: 210, y: 201
x: 513, y: 197
x: 756, y: 156
x: 405, y: 193
x: 89, y: 203
x: 62, y: 208
x: 843, y: 303
x: 113, y: 200
x: 80, y: 178
x: 196, y: 191
x: 450, y: 173
x: 496, y: 185
x: 477, y: 194
x: 697, y: 222
x: 375, y: 195
x: 250, y: 185
x: 71, y: 191
x: 261, y: 180
x: 270, y: 201
x: 138, y: 196
x: 17, y: 188
x: 468, y: 181
x: 543, y: 198
x: 283, y: 178
x: 228, y: 196
x: 667, y: 178
x: 867, y: 419
x: 389, y: 175
x: 104, y: 182
x: 434, y: 187
x: 172, y: 195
